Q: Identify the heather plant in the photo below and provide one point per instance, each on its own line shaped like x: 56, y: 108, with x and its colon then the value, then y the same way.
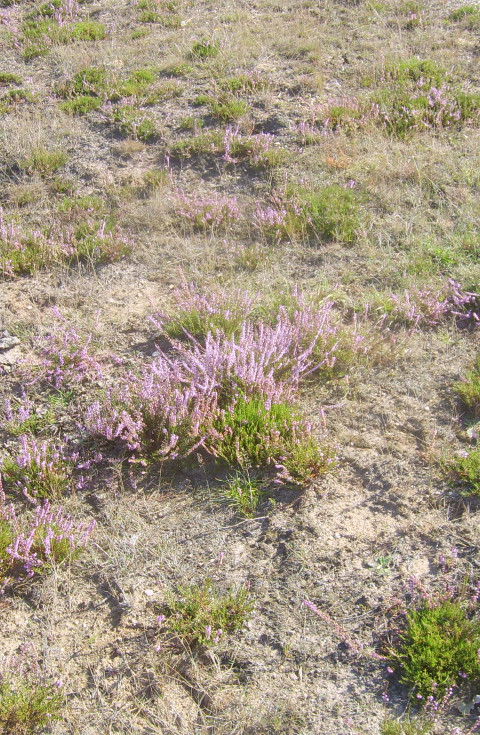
x: 32, y: 547
x: 468, y: 389
x: 253, y: 434
x: 225, y: 107
x: 65, y: 358
x: 24, y: 417
x: 208, y: 212
x: 438, y: 649
x: 38, y: 470
x: 89, y: 240
x: 330, y: 213
x: 29, y: 700
x: 133, y: 122
x: 200, y: 618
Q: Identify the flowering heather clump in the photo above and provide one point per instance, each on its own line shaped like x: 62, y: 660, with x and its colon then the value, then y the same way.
x: 28, y: 548
x: 427, y: 307
x: 39, y: 470
x: 184, y: 401
x: 66, y: 360
x: 206, y: 212
x: 199, y: 313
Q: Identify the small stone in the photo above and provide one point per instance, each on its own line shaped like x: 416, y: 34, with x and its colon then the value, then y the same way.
x: 6, y: 343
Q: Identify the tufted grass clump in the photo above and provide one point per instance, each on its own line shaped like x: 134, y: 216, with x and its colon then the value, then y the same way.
x: 466, y: 15
x: 438, y: 649
x: 200, y: 618
x: 202, y: 50
x: 243, y: 492
x: 44, y: 162
x: 333, y: 213
x: 133, y: 122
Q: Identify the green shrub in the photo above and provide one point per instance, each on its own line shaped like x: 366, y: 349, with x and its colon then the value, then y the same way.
x: 464, y: 470
x: 199, y: 617
x: 27, y: 707
x: 438, y: 649
x: 133, y: 122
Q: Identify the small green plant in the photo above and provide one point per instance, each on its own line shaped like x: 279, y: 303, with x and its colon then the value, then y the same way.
x: 199, y: 617
x: 243, y: 492
x: 27, y: 706
x: 88, y: 30
x: 467, y: 15
x: 468, y: 389
x: 225, y: 107
x: 81, y: 105
x: 134, y: 122
x: 438, y: 649
x: 204, y: 50
x: 463, y: 470
x: 45, y: 162
x: 178, y: 70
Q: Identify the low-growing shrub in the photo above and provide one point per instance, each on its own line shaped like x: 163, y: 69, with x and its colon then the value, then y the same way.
x: 27, y: 704
x: 199, y: 617
x: 45, y: 162
x: 438, y: 649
